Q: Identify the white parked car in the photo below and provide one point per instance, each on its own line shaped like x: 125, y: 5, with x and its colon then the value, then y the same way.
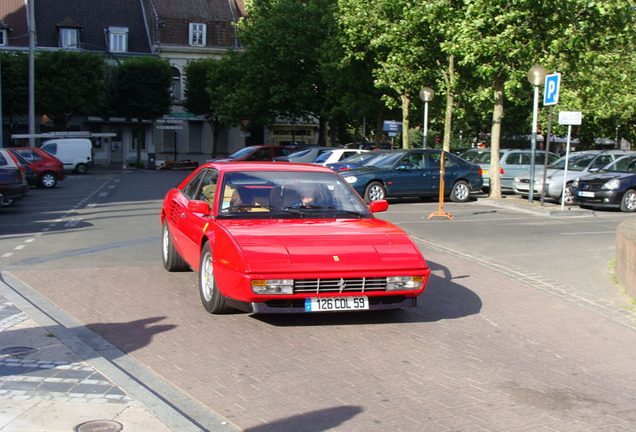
x: 579, y: 164
x: 336, y: 155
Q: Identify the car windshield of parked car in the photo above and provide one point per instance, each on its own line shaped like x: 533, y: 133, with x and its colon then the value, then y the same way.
x: 299, y: 153
x: 626, y: 164
x: 323, y: 157
x: 288, y: 194
x: 575, y: 163
x: 385, y: 161
x: 241, y: 153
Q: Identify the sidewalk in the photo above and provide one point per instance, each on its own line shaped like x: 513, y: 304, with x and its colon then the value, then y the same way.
x: 56, y: 375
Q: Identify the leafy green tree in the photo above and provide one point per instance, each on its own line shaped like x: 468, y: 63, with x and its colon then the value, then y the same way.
x: 68, y: 84
x: 500, y: 41
x: 15, y: 85
x: 287, y: 44
x: 143, y: 92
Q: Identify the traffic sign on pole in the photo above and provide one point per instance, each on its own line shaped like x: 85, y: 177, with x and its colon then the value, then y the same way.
x: 551, y: 91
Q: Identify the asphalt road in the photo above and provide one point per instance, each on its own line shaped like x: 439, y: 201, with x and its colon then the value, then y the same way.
x: 521, y: 326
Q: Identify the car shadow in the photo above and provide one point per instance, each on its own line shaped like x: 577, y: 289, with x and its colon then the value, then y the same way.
x: 444, y: 298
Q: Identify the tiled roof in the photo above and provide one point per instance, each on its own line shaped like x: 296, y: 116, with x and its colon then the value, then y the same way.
x: 171, y: 20
x: 14, y: 16
x: 94, y: 17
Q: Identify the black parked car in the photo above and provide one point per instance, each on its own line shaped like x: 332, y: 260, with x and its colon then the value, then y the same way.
x: 407, y: 173
x: 614, y: 186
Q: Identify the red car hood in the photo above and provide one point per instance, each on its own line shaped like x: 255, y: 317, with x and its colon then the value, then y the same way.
x: 324, y: 245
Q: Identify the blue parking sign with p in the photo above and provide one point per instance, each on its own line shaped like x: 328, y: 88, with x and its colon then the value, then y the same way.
x: 551, y: 91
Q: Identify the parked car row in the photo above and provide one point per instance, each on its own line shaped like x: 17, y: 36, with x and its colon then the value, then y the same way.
x: 579, y: 164
x: 22, y: 167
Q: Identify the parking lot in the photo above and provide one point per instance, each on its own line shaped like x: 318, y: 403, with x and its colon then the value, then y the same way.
x: 521, y: 327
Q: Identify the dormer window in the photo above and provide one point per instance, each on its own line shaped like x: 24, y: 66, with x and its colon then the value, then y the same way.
x: 69, y: 38
x: 4, y: 37
x: 118, y: 39
x: 197, y: 34
x: 69, y: 34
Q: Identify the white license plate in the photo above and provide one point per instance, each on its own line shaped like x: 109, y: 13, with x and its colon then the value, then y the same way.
x: 522, y: 186
x: 586, y: 194
x: 320, y: 304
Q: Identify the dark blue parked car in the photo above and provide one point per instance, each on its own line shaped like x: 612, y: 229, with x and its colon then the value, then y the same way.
x: 614, y: 186
x: 407, y: 173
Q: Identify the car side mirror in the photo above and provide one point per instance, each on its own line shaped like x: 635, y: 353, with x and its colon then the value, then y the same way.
x: 379, y: 206
x: 196, y: 206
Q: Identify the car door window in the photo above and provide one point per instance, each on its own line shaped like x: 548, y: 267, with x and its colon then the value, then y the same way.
x: 601, y: 161
x: 260, y: 154
x: 207, y: 187
x: 191, y: 188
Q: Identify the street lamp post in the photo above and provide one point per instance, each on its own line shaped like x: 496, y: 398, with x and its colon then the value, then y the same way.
x: 426, y: 94
x: 536, y: 76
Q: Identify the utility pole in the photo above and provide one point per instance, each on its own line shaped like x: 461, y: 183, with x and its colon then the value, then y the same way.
x: 31, y: 23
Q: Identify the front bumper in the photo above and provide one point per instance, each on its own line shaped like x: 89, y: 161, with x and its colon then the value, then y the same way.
x: 298, y: 305
x: 601, y: 198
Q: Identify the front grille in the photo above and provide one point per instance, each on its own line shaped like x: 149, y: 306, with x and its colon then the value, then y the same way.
x: 317, y: 286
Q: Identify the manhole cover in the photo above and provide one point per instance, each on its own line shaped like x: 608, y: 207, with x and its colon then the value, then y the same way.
x: 99, y: 426
x: 17, y: 351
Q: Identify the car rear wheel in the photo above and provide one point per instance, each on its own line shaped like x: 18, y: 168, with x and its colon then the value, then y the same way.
x: 212, y: 299
x: 170, y: 258
x: 460, y: 191
x: 375, y: 191
x: 628, y: 203
x: 81, y: 168
x: 48, y: 180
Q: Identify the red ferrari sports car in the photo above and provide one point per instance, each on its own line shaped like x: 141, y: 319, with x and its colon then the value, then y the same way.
x: 272, y: 238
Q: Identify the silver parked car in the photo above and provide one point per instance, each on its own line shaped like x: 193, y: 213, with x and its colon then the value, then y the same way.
x: 512, y: 163
x: 579, y: 164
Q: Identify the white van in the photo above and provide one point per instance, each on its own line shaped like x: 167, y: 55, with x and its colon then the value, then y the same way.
x: 75, y: 153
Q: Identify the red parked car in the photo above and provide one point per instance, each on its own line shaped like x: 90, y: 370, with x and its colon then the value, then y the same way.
x: 271, y: 238
x: 47, y: 168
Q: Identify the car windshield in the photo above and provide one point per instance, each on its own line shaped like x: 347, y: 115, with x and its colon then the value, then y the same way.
x: 288, y: 194
x: 300, y: 153
x: 577, y: 162
x: 358, y: 158
x: 625, y: 164
x: 387, y: 160
x: 324, y: 156
x: 241, y: 153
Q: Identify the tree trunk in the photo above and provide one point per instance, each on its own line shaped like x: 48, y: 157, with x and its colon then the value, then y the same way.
x: 450, y: 97
x: 405, y: 120
x: 495, y: 137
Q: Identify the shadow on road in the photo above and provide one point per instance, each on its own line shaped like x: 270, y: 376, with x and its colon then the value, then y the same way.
x: 314, y: 421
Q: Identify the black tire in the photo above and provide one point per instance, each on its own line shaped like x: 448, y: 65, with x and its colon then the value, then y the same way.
x: 628, y: 203
x: 375, y: 191
x: 460, y: 191
x: 211, y: 298
x: 81, y: 168
x: 47, y: 180
x: 170, y: 258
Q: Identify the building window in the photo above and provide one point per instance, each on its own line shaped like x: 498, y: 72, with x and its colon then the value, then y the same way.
x: 69, y: 38
x: 4, y: 38
x: 197, y: 34
x: 176, y: 85
x: 118, y: 39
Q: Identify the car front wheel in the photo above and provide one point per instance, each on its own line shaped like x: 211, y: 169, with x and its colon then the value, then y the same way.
x: 628, y: 203
x: 211, y: 298
x: 48, y: 180
x: 170, y: 258
x: 568, y: 198
x: 375, y: 191
x: 460, y: 192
